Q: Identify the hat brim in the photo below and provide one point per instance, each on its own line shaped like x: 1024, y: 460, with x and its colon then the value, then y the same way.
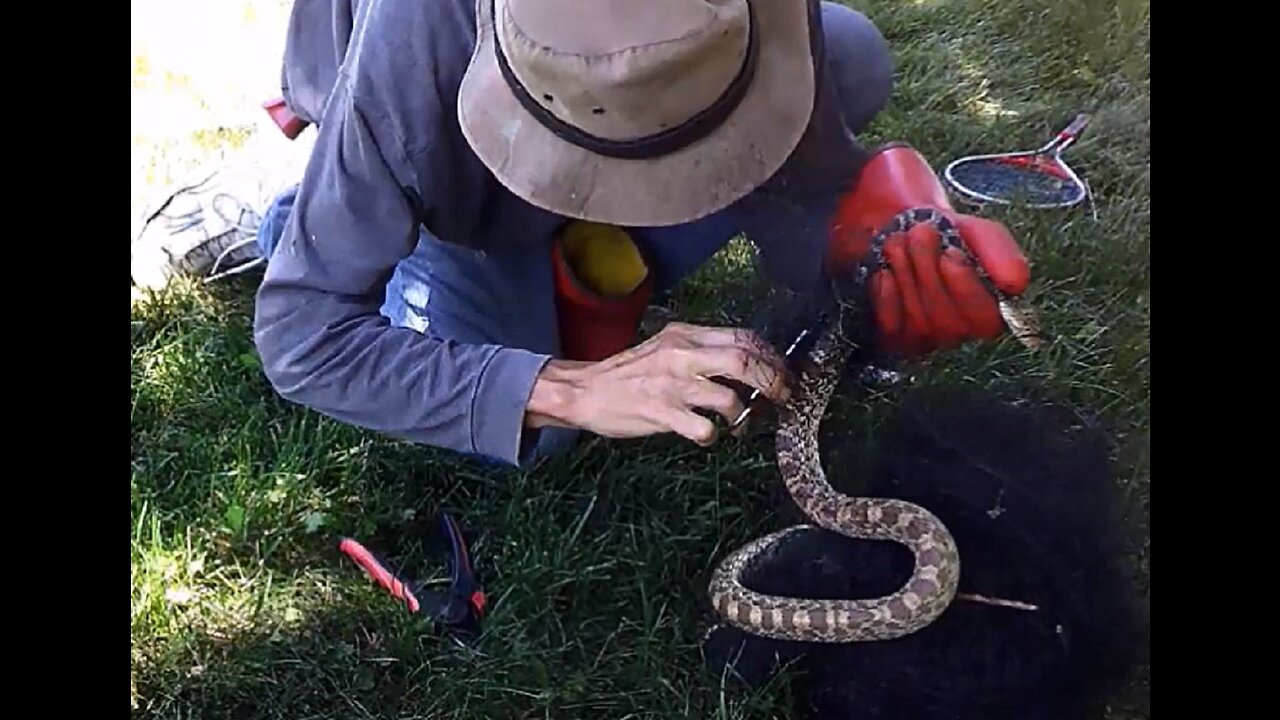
x: 705, y: 177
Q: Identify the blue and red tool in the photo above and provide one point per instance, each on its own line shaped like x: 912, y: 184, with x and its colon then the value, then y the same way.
x: 458, y: 610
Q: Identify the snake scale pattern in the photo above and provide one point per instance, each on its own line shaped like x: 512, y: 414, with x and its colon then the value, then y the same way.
x: 932, y: 585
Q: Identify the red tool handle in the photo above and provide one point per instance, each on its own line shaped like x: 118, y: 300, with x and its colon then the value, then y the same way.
x: 370, y: 565
x: 291, y: 125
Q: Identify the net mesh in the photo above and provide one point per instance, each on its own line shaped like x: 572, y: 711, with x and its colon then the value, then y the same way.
x: 1027, y: 491
x: 1016, y: 182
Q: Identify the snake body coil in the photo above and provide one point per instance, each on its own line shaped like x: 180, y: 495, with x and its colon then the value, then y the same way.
x: 932, y: 585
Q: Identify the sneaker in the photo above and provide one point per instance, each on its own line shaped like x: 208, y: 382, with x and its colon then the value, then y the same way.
x: 207, y: 227
x: 197, y: 230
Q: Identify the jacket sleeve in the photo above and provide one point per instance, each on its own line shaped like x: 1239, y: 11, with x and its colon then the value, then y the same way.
x: 318, y: 329
x: 316, y: 40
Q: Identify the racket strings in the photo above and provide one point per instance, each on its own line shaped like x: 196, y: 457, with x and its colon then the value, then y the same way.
x: 1016, y: 181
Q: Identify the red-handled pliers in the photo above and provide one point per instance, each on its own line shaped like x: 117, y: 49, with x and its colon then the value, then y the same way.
x: 458, y: 610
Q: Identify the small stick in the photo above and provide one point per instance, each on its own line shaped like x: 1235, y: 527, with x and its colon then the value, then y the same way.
x: 997, y: 601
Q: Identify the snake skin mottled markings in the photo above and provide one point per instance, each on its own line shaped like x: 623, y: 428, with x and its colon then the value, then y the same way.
x: 933, y: 583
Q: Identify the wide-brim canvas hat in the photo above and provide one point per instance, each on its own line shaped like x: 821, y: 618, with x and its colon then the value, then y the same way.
x: 637, y: 113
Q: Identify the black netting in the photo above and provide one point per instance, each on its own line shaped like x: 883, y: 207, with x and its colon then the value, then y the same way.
x: 1026, y: 490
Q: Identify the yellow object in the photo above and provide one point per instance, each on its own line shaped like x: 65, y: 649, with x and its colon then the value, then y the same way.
x: 603, y: 257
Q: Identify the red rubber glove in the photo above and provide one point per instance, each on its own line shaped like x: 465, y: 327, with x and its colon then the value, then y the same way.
x: 925, y: 300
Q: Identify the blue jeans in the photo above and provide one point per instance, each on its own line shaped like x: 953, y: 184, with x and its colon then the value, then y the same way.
x: 472, y: 297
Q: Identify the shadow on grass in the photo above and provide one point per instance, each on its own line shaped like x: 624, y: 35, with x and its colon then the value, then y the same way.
x: 332, y: 662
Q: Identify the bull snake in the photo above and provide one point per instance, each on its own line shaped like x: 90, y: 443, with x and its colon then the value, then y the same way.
x: 933, y: 584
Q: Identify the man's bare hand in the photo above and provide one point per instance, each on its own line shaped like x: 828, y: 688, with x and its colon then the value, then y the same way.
x: 656, y: 386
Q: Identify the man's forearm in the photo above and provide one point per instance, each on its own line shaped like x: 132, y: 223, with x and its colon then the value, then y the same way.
x: 559, y: 396
x: 357, y: 369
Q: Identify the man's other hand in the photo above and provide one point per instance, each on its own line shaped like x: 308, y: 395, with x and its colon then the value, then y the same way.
x: 659, y: 385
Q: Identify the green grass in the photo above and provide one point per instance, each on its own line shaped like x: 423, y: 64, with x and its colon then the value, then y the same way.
x: 597, y: 564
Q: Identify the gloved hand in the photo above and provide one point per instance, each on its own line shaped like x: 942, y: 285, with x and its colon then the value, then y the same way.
x: 925, y: 299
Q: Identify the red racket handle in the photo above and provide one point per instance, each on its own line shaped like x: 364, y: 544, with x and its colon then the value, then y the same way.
x: 380, y: 574
x: 1071, y: 132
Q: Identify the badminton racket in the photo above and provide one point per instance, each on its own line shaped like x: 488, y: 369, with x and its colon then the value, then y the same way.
x: 1034, y: 178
